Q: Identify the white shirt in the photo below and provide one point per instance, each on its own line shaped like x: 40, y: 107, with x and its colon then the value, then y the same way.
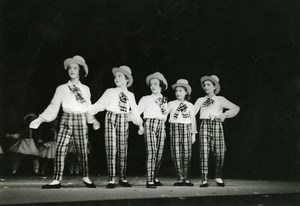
x: 216, y: 109
x: 110, y: 101
x: 66, y: 98
x: 151, y: 109
x: 173, y: 105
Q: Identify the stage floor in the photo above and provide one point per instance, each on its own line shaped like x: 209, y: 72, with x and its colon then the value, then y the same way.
x: 25, y: 190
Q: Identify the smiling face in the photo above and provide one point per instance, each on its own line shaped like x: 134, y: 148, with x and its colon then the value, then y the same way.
x: 180, y: 93
x: 120, y: 79
x: 208, y: 87
x: 73, y: 71
x: 155, y: 86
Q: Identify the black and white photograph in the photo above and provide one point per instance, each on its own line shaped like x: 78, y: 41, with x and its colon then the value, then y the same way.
x: 149, y: 102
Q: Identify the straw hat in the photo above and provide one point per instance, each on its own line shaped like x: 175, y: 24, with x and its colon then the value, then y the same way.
x: 183, y: 83
x: 214, y: 79
x: 76, y: 60
x: 156, y: 75
x: 126, y: 71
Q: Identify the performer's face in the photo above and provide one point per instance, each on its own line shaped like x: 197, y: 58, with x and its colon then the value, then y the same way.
x: 73, y: 70
x: 120, y: 79
x: 180, y: 93
x: 209, y: 87
x: 155, y: 86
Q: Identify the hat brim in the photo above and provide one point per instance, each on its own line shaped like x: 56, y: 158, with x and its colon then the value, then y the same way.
x: 217, y: 85
x: 116, y: 69
x: 188, y: 87
x: 69, y: 61
x: 154, y: 76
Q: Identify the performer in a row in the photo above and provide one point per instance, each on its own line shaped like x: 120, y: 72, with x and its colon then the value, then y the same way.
x: 74, y: 98
x: 155, y: 112
x: 211, y: 135
x: 121, y: 107
x: 182, y: 131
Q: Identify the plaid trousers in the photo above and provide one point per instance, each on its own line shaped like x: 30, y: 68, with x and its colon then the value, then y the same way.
x: 155, y: 135
x: 181, y: 148
x: 212, y: 138
x: 116, y: 142
x: 71, y: 126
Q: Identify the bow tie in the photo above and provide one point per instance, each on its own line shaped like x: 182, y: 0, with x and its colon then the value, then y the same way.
x: 208, y: 102
x: 181, y: 108
x: 161, y: 101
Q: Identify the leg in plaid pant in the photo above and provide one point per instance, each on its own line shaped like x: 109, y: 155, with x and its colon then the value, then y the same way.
x: 212, y: 137
x: 116, y: 136
x: 181, y: 148
x: 71, y: 125
x: 154, y: 137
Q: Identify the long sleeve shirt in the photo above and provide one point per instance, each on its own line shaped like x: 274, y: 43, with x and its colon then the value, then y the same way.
x: 189, y: 119
x: 151, y: 109
x: 216, y: 109
x: 66, y: 98
x: 110, y: 101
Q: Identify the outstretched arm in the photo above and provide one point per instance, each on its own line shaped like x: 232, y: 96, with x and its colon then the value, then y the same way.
x: 50, y: 113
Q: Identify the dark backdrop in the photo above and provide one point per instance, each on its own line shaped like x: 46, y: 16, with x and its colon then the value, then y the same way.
x: 252, y: 45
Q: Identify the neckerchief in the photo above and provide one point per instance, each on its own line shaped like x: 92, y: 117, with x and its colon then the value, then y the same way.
x: 183, y: 109
x: 123, y: 99
x: 208, y: 102
x: 77, y: 92
x: 161, y: 101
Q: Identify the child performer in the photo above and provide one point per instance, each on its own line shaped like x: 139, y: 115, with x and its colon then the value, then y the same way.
x: 154, y: 109
x: 118, y: 102
x: 211, y: 135
x: 74, y: 97
x: 182, y: 130
x: 24, y: 146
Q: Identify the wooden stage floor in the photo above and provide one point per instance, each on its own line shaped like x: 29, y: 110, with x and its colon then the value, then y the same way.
x: 25, y: 190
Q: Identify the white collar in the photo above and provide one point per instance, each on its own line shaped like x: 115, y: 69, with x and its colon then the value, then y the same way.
x: 156, y: 96
x: 71, y: 84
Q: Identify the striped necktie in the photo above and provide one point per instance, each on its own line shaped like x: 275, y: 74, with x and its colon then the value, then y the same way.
x: 77, y: 92
x: 123, y: 99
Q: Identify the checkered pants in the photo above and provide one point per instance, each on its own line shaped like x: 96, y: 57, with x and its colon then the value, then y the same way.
x: 155, y: 134
x: 116, y: 142
x: 71, y: 126
x: 212, y: 138
x: 181, y: 148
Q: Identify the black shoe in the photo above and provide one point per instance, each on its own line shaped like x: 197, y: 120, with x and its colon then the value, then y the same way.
x: 204, y: 185
x: 157, y: 182
x: 89, y: 185
x: 124, y: 183
x: 111, y: 185
x: 179, y: 183
x: 188, y: 183
x: 48, y: 186
x: 35, y: 174
x: 150, y: 185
